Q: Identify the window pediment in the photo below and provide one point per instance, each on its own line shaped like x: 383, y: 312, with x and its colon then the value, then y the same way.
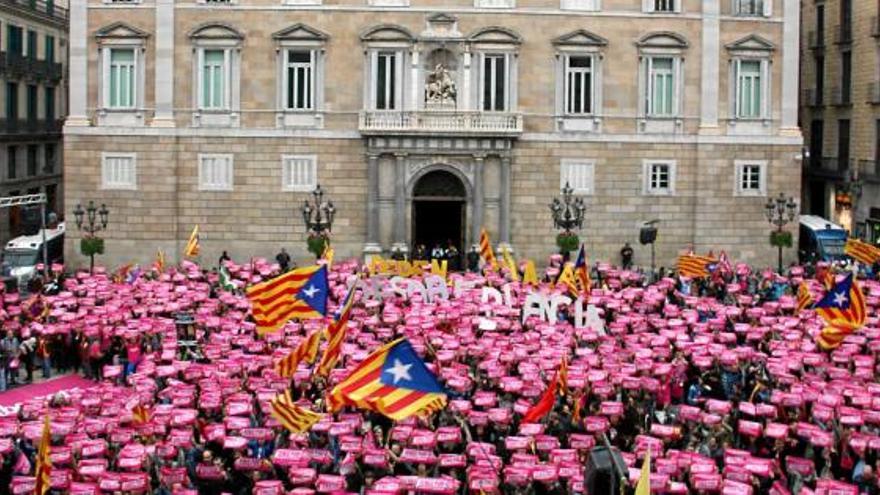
x: 300, y: 32
x: 387, y: 33
x: 663, y: 39
x: 216, y: 31
x: 751, y: 43
x: 581, y: 37
x: 495, y: 35
x: 121, y: 30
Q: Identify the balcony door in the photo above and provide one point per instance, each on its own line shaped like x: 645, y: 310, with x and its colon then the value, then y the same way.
x: 438, y: 212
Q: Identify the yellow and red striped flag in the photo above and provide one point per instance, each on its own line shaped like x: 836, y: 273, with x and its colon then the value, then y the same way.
x: 192, y: 245
x: 566, y: 277
x: 300, y: 293
x: 861, y: 251
x: 328, y: 254
x: 393, y: 381
x: 294, y: 418
x: 160, y: 260
x: 510, y: 262
x: 336, y: 332
x: 833, y: 333
x: 804, y: 298
x: 140, y: 415
x: 563, y: 377
x: 43, y: 470
x: 307, y: 351
x: 486, y: 251
x: 694, y: 266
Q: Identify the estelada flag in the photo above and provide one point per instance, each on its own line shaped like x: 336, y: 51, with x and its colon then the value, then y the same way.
x: 43, y: 471
x: 861, y: 251
x: 843, y: 303
x: 307, y: 351
x: 300, y: 293
x: 582, y: 273
x: 695, y: 266
x: 486, y: 252
x: 192, y: 245
x: 393, y: 381
x: 545, y: 403
x: 336, y: 332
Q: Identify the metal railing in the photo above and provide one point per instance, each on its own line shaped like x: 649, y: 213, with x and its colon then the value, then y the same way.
x: 16, y: 66
x: 843, y: 34
x: 869, y: 168
x: 834, y: 164
x: 30, y: 126
x: 816, y: 39
x: 43, y: 7
x: 439, y: 121
x: 841, y: 96
x: 874, y: 92
x: 875, y: 26
x: 811, y: 97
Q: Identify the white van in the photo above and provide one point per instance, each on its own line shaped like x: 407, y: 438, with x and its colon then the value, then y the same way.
x: 22, y: 254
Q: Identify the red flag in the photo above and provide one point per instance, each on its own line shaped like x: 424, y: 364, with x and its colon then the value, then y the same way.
x: 545, y: 403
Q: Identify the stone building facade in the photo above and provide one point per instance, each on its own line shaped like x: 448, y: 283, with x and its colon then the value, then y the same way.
x: 840, y: 113
x: 425, y: 121
x: 33, y: 85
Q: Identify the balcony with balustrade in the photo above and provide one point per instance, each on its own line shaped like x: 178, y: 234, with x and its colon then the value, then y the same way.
x: 440, y: 122
x: 15, y: 66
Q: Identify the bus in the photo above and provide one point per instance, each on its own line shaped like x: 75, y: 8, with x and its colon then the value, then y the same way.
x: 22, y: 255
x: 820, y: 240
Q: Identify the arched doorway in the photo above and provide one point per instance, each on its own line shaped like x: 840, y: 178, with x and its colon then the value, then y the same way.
x: 438, y: 211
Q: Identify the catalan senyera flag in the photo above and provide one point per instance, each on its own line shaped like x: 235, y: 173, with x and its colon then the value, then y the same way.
x: 160, y: 260
x: 566, y: 278
x: 43, y: 470
x: 582, y: 273
x: 643, y: 487
x: 695, y: 266
x: 328, y: 254
x: 307, y: 351
x: 336, y: 332
x: 300, y: 293
x: 843, y: 309
x: 294, y: 418
x: 393, y: 381
x: 578, y: 405
x: 486, y: 251
x: 861, y: 251
x: 140, y: 415
x: 511, y: 263
x: 192, y: 245
x: 804, y: 298
x: 563, y: 377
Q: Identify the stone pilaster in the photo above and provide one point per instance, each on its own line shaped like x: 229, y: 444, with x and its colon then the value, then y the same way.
x: 477, y: 201
x: 372, y: 246
x: 400, y: 202
x: 709, y: 53
x: 164, y: 64
x: 78, y: 64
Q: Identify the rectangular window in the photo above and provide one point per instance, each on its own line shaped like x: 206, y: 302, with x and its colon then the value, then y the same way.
x: 32, y: 151
x: 817, y: 136
x: 661, y: 86
x: 50, y: 48
x: 659, y: 177
x: 845, y: 77
x: 215, y: 172
x: 586, y: 5
x: 749, y: 98
x: 49, y: 166
x: 749, y: 7
x: 820, y: 79
x: 577, y: 174
x: 663, y: 5
x: 386, y: 80
x: 122, y: 78
x: 299, y: 172
x: 12, y: 103
x: 32, y: 101
x: 11, y: 162
x: 119, y: 171
x: 579, y: 85
x: 876, y: 147
x: 50, y: 104
x: 495, y: 83
x: 820, y: 24
x: 32, y: 44
x: 495, y: 4
x: 300, y: 75
x: 845, y: 20
x: 750, y: 178
x: 214, y: 67
x: 843, y: 145
x: 14, y: 36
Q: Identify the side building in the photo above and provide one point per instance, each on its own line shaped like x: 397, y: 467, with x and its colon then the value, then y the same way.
x: 33, y: 84
x: 426, y: 121
x: 840, y: 113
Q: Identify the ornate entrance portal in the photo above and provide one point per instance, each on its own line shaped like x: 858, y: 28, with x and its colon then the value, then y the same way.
x: 438, y: 211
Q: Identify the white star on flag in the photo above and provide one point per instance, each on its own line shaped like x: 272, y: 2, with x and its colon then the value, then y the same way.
x: 311, y: 291
x: 400, y: 371
x: 840, y: 299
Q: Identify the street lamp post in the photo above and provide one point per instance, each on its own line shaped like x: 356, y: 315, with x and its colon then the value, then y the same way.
x: 567, y: 214
x: 780, y: 211
x: 91, y: 220
x: 318, y: 219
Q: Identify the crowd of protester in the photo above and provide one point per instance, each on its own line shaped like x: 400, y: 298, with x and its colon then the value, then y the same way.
x: 718, y: 378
